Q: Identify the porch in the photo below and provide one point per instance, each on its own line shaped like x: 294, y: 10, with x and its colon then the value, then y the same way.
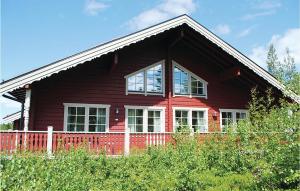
x: 110, y: 143
x: 50, y: 142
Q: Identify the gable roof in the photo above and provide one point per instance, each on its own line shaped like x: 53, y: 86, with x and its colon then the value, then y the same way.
x: 119, y: 43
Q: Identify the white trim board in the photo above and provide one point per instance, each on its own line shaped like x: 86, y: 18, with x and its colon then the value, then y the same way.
x: 119, y: 43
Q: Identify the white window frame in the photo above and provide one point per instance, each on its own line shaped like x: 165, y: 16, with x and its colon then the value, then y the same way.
x: 145, y: 116
x: 233, y: 113
x: 86, y: 118
x: 189, y: 110
x: 190, y: 74
x: 144, y: 70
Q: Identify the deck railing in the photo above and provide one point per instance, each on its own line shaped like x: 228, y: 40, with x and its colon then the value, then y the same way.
x: 111, y: 143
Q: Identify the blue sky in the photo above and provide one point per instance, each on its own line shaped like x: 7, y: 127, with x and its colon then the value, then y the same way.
x: 35, y: 33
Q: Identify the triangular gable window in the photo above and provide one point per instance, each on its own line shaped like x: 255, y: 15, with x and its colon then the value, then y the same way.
x: 148, y: 81
x: 185, y: 83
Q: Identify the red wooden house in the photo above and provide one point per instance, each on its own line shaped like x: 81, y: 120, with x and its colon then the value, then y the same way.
x: 174, y: 74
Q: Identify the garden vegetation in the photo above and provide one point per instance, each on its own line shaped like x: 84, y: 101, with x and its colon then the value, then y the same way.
x: 259, y: 153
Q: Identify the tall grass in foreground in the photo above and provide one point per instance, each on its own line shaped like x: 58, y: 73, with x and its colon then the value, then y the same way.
x: 260, y: 153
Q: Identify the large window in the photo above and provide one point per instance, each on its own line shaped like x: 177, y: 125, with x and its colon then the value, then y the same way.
x: 194, y: 118
x: 145, y: 119
x: 229, y: 117
x: 148, y: 81
x: 185, y: 83
x: 86, y: 117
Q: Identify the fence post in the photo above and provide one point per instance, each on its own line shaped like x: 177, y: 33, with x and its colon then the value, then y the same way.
x: 49, y: 140
x: 17, y: 141
x: 127, y: 142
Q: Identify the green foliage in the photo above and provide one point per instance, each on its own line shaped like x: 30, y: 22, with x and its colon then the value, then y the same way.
x: 259, y: 153
x: 6, y: 126
x: 284, y: 71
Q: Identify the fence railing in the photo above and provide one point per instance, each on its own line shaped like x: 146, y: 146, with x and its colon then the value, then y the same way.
x: 112, y: 143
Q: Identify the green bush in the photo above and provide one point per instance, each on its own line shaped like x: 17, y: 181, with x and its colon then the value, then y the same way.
x: 259, y: 153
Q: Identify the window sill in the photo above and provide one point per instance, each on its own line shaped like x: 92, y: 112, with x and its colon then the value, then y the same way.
x: 190, y: 96
x: 146, y: 94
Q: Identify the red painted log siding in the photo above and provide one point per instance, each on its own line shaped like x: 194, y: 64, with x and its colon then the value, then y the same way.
x: 93, y: 83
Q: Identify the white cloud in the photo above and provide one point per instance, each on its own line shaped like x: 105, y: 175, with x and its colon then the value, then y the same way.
x: 252, y: 16
x: 222, y: 29
x: 263, y: 8
x: 266, y: 5
x: 288, y: 40
x: 93, y: 7
x: 245, y: 32
x: 161, y: 12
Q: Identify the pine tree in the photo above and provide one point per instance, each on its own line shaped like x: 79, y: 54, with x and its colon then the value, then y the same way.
x: 289, y: 67
x: 273, y: 62
x: 284, y: 71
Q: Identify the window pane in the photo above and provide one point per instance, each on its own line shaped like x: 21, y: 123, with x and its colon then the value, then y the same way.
x: 80, y: 119
x: 154, y: 121
x: 80, y: 111
x: 227, y: 120
x: 198, y: 122
x: 102, y: 111
x: 139, y: 128
x: 136, y: 82
x: 100, y: 128
x: 72, y: 110
x: 131, y: 120
x: 92, y: 128
x: 139, y: 120
x: 71, y: 127
x: 92, y: 120
x: 101, y: 120
x: 181, y: 119
x: 150, y: 121
x: 93, y: 111
x: 131, y: 112
x: 150, y: 128
x: 79, y: 127
x: 180, y: 81
x: 139, y: 112
x: 154, y: 79
x: 71, y: 119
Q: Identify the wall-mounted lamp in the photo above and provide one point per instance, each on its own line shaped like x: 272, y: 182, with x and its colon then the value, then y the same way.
x: 117, y: 114
x: 214, y: 115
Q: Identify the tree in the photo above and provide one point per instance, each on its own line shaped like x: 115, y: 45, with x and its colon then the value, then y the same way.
x: 273, y: 62
x: 284, y: 71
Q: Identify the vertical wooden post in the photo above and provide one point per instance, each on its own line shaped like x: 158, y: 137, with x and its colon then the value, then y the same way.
x: 17, y: 141
x: 26, y: 109
x: 49, y: 141
x: 127, y: 142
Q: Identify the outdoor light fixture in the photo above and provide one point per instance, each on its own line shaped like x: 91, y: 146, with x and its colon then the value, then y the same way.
x: 215, y: 115
x: 116, y: 112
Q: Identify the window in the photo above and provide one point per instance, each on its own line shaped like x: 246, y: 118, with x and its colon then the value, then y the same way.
x: 230, y: 117
x: 185, y: 83
x: 148, y: 81
x: 181, y: 119
x: 198, y: 121
x: 135, y: 120
x: 145, y: 119
x: 86, y: 117
x: 76, y: 119
x: 154, y: 120
x: 194, y: 118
